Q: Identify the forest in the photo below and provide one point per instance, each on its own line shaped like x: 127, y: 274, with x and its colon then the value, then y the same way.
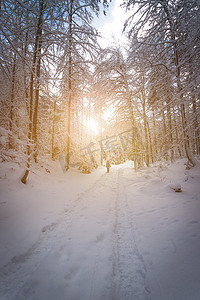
x: 64, y: 97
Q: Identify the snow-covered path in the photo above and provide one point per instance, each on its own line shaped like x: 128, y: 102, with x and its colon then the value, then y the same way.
x: 117, y: 236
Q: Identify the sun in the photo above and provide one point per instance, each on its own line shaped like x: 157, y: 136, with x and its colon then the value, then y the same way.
x: 93, y: 126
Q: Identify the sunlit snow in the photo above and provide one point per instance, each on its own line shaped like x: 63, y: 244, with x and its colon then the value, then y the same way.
x: 122, y: 235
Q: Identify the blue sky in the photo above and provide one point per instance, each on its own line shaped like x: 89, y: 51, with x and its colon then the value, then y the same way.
x: 111, y: 25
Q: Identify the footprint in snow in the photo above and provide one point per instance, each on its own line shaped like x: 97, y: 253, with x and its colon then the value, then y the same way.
x: 194, y: 235
x: 175, y: 221
x: 74, y: 270
x: 193, y: 222
x: 99, y: 238
x: 49, y: 227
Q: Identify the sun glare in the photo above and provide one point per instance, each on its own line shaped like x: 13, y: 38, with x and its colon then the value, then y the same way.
x: 93, y: 126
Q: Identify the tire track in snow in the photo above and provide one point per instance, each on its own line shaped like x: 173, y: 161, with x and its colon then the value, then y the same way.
x: 15, y: 274
x: 129, y: 271
x: 108, y: 196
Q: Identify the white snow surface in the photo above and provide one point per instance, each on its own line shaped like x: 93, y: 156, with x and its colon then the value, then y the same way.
x: 125, y: 235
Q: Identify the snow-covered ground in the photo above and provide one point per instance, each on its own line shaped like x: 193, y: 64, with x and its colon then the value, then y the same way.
x: 125, y: 235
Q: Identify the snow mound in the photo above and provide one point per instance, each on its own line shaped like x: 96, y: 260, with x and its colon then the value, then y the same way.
x: 176, y: 187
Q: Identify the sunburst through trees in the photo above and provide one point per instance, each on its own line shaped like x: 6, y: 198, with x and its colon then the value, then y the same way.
x: 62, y: 95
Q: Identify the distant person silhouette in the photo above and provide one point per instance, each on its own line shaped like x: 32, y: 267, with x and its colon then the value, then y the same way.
x: 108, y: 165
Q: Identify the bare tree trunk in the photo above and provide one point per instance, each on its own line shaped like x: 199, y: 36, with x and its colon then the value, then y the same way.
x: 12, y: 97
x: 37, y: 88
x: 154, y: 135
x: 177, y: 136
x: 164, y: 141
x: 30, y: 132
x: 69, y: 87
x: 135, y: 149
x: 145, y: 129
x: 196, y: 126
x: 25, y: 176
x: 53, y: 131
x: 150, y: 143
x: 170, y: 130
x: 26, y: 96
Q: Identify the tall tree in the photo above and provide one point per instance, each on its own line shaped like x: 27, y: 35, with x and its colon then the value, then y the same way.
x: 36, y: 70
x: 164, y: 26
x: 78, y: 53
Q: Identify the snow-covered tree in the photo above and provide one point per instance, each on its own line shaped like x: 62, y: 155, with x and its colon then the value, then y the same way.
x: 164, y: 28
